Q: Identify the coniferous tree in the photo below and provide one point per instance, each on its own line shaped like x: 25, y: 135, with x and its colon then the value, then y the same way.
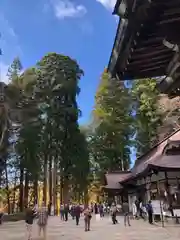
x: 148, y: 117
x: 110, y: 141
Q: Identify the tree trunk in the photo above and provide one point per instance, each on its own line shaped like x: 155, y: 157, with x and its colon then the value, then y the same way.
x: 26, y: 189
x: 35, y: 186
x: 61, y: 190
x: 45, y: 179
x: 7, y: 190
x: 50, y: 180
x: 14, y: 192
x: 21, y: 190
x: 54, y: 187
x: 86, y: 197
x: 66, y: 189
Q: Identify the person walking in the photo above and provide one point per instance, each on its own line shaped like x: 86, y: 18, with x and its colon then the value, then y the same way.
x: 29, y: 218
x: 87, y: 219
x: 42, y: 220
x: 150, y: 212
x: 77, y: 213
x: 2, y: 210
x: 49, y: 208
x: 101, y: 210
x: 62, y: 212
x: 1, y: 217
x: 125, y: 208
x: 138, y: 208
x: 134, y: 210
x: 66, y: 211
x: 95, y: 208
x: 72, y: 211
x: 113, y: 211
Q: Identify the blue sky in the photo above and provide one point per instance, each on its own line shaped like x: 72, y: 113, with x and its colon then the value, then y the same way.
x: 81, y: 29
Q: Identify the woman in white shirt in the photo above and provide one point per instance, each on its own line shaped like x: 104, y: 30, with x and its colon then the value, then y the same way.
x: 134, y: 210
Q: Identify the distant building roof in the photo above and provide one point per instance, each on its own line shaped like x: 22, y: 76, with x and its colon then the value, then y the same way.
x: 154, y: 159
x: 113, y: 179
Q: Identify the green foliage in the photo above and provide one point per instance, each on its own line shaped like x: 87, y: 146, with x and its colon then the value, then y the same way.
x: 110, y: 140
x: 28, y: 148
x: 148, y: 117
x: 14, y: 70
x: 42, y: 100
x: 57, y: 88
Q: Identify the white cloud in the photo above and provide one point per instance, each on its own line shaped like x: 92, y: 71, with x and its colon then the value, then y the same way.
x: 109, y: 4
x: 66, y: 8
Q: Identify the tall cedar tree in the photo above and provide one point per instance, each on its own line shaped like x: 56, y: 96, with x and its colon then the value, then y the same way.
x: 148, y: 117
x: 57, y: 88
x: 110, y: 141
x: 43, y: 102
x: 14, y: 71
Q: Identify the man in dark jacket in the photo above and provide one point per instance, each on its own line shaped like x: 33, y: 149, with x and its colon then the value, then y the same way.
x: 77, y: 213
x: 72, y: 211
x: 150, y: 212
x: 125, y: 208
x: 66, y: 211
x: 49, y: 208
x: 1, y: 216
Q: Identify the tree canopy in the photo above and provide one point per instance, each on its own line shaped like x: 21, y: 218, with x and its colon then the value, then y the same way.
x: 112, y: 119
x: 45, y: 146
x: 45, y: 153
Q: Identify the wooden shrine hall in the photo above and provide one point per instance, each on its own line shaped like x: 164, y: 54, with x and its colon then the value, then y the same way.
x: 155, y: 176
x: 147, y: 42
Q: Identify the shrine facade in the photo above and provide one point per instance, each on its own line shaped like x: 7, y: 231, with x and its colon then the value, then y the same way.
x: 147, y: 42
x: 155, y: 176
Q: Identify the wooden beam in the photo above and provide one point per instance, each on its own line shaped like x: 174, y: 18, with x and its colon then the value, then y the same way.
x: 150, y: 58
x: 158, y: 47
x: 140, y: 75
x: 148, y: 64
x: 169, y: 20
x: 171, y: 11
x: 147, y: 54
x: 153, y: 68
x: 166, y: 3
x: 151, y: 41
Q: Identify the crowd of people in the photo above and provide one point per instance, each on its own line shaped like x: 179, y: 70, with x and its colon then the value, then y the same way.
x: 144, y: 211
x: 75, y: 211
x: 41, y: 214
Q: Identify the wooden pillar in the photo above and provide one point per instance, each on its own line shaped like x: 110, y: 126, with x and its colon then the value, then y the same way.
x: 161, y: 205
x: 147, y: 189
x: 169, y: 197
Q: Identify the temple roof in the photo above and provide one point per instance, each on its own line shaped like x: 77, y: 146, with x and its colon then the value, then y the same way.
x: 114, y: 179
x: 155, y: 159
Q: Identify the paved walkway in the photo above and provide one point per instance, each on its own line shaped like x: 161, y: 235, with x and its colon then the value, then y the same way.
x: 102, y: 229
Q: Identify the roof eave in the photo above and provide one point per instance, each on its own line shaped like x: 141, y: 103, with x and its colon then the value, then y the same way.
x: 117, y: 42
x: 115, y: 11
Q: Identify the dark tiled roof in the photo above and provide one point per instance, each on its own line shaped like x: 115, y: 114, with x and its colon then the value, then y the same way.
x: 166, y: 162
x: 155, y: 155
x: 175, y: 136
x: 113, y: 180
x: 153, y: 159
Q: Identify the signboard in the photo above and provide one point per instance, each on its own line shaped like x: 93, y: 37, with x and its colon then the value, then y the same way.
x: 156, y: 207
